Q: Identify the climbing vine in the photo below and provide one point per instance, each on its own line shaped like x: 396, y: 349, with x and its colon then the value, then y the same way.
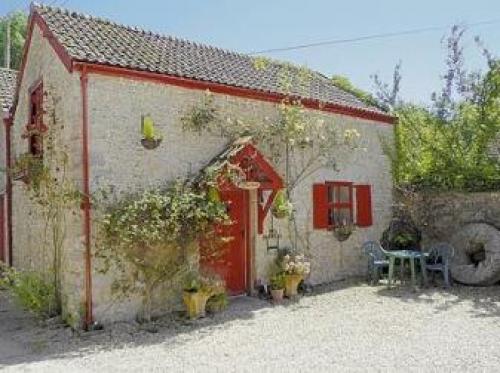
x: 151, y: 238
x: 50, y: 187
x: 294, y: 136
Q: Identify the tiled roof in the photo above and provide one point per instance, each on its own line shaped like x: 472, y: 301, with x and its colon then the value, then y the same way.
x: 7, y: 87
x: 96, y: 40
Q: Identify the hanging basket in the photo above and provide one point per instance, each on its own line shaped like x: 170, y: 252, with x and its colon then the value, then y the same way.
x: 343, y: 232
x: 151, y: 143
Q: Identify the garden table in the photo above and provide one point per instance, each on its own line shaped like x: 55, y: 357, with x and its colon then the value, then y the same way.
x: 411, y: 256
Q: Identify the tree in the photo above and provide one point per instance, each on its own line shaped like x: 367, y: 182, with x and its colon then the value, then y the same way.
x: 18, y: 26
x: 446, y: 146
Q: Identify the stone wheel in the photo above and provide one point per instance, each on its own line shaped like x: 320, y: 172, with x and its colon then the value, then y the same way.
x: 477, y: 255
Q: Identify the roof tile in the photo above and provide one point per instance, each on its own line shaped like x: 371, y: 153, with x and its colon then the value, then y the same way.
x: 7, y: 87
x: 95, y: 40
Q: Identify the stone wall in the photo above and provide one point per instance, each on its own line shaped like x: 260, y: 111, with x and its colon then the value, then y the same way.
x: 442, y: 215
x: 32, y: 248
x: 470, y: 223
x: 118, y: 159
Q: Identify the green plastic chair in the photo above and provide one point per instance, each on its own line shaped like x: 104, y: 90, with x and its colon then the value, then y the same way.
x: 377, y: 260
x: 439, y: 260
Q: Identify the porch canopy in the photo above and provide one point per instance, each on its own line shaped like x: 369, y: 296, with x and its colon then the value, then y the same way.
x: 242, y: 165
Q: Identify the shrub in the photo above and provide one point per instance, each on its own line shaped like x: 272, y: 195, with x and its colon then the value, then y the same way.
x: 31, y: 291
x: 150, y: 236
x: 277, y: 281
x: 217, y: 303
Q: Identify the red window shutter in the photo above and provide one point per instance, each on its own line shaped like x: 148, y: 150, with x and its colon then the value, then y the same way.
x: 320, y: 206
x: 364, y: 216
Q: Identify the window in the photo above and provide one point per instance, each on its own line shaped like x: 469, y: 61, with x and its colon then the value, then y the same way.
x: 35, y: 126
x: 337, y: 203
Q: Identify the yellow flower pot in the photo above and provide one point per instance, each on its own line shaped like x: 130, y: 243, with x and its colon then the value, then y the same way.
x: 195, y: 303
x: 291, y: 284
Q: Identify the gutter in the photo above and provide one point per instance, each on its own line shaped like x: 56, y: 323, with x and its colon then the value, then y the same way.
x: 86, y: 200
x: 7, y: 120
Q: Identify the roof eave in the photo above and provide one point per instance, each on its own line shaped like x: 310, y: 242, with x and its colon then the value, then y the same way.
x: 231, y: 90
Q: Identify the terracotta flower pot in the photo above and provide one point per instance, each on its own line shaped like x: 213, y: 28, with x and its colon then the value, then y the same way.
x: 291, y: 284
x: 195, y: 303
x: 277, y: 295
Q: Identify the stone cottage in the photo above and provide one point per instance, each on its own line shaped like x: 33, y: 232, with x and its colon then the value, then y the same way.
x: 7, y: 88
x: 107, y: 78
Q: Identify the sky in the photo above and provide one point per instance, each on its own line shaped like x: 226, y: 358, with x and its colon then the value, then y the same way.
x: 247, y: 26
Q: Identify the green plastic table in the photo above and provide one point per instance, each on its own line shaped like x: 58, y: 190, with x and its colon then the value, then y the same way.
x: 411, y: 256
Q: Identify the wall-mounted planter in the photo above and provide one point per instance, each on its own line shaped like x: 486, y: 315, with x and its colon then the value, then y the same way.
x: 343, y: 233
x: 151, y: 143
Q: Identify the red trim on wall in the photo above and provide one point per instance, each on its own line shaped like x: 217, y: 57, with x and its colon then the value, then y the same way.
x: 58, y: 48
x: 8, y: 163
x: 86, y: 200
x: 3, y: 254
x: 230, y: 90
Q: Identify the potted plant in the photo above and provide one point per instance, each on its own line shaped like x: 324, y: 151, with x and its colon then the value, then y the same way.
x: 343, y: 231
x: 217, y: 303
x: 151, y: 139
x: 295, y: 267
x: 281, y: 207
x: 277, y: 284
x: 197, y: 290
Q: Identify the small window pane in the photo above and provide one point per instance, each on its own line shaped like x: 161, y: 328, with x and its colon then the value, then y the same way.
x: 331, y: 194
x: 344, y: 195
x: 340, y: 216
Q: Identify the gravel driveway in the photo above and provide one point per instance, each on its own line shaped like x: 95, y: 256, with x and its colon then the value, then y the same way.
x: 345, y: 326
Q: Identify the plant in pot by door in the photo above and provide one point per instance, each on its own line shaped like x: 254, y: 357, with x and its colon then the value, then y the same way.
x: 282, y: 207
x: 197, y: 290
x: 295, y: 267
x: 217, y: 303
x: 277, y: 286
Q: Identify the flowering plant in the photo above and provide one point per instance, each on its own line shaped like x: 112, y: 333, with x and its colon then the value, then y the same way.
x: 296, y: 265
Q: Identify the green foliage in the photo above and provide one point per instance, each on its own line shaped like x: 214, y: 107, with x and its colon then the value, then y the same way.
x: 150, y: 236
x: 209, y: 283
x: 18, y: 24
x: 452, y: 153
x: 277, y: 281
x: 31, y: 291
x: 281, y: 207
x: 447, y: 146
x: 345, y: 84
x: 217, y: 303
x: 148, y: 129
x: 50, y: 188
x: 201, y: 117
x: 261, y: 63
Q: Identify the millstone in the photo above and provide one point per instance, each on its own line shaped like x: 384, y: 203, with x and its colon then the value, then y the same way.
x: 477, y: 255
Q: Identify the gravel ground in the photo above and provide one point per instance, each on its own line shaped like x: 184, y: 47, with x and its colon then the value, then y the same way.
x: 346, y: 326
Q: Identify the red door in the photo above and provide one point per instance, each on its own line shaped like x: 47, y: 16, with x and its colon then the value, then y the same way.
x: 231, y: 266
